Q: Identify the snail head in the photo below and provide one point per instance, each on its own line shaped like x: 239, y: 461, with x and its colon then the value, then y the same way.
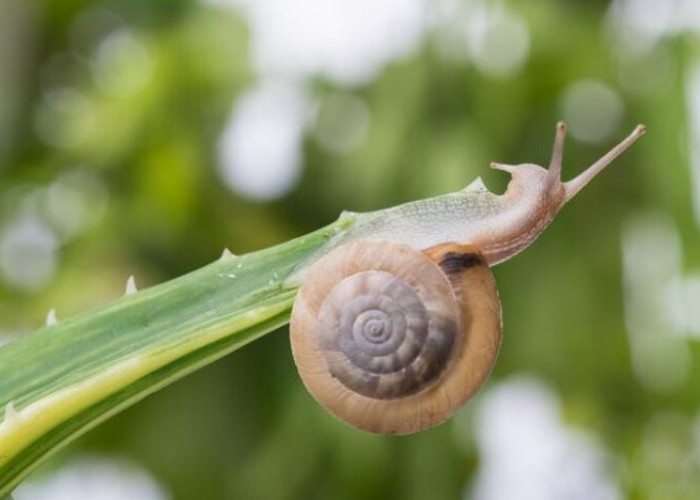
x: 547, y: 184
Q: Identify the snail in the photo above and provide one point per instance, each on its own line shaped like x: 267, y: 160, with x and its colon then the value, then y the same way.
x: 399, y: 324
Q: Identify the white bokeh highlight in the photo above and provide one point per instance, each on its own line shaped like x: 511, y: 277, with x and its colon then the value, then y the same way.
x: 693, y: 105
x: 93, y: 478
x: 660, y: 302
x: 122, y: 65
x: 260, y: 149
x: 75, y: 201
x: 487, y: 33
x: 593, y: 110
x: 527, y: 452
x: 341, y: 123
x: 499, y: 41
x: 637, y: 26
x: 347, y: 42
x: 28, y: 253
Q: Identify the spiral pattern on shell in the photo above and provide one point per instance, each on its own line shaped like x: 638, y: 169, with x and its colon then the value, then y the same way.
x: 379, y: 331
x: 383, y: 338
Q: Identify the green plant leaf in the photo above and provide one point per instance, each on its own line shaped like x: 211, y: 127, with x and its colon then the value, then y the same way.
x: 64, y: 379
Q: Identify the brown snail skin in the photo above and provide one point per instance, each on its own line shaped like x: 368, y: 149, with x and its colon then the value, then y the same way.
x: 399, y: 323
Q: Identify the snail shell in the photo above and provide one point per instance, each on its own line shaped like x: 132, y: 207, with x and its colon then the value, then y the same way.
x: 393, y: 340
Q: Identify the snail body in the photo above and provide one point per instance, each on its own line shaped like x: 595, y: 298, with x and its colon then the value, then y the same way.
x: 500, y: 225
x: 399, y: 323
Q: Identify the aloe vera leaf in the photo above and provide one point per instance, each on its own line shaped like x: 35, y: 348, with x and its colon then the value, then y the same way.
x: 61, y: 380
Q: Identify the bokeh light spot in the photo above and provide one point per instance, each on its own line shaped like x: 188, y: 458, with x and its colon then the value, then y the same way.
x: 342, y: 122
x: 91, y: 478
x: 122, y: 64
x: 489, y: 34
x: 75, y: 201
x: 260, y: 149
x: 348, y: 42
x: 65, y: 118
x: 27, y: 253
x: 527, y: 451
x: 652, y: 262
x: 592, y: 110
x: 499, y: 41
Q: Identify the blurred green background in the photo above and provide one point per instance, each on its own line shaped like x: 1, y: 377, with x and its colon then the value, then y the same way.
x: 144, y: 137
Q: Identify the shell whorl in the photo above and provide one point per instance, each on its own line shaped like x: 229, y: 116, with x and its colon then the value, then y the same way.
x: 394, y: 340
x: 384, y: 337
